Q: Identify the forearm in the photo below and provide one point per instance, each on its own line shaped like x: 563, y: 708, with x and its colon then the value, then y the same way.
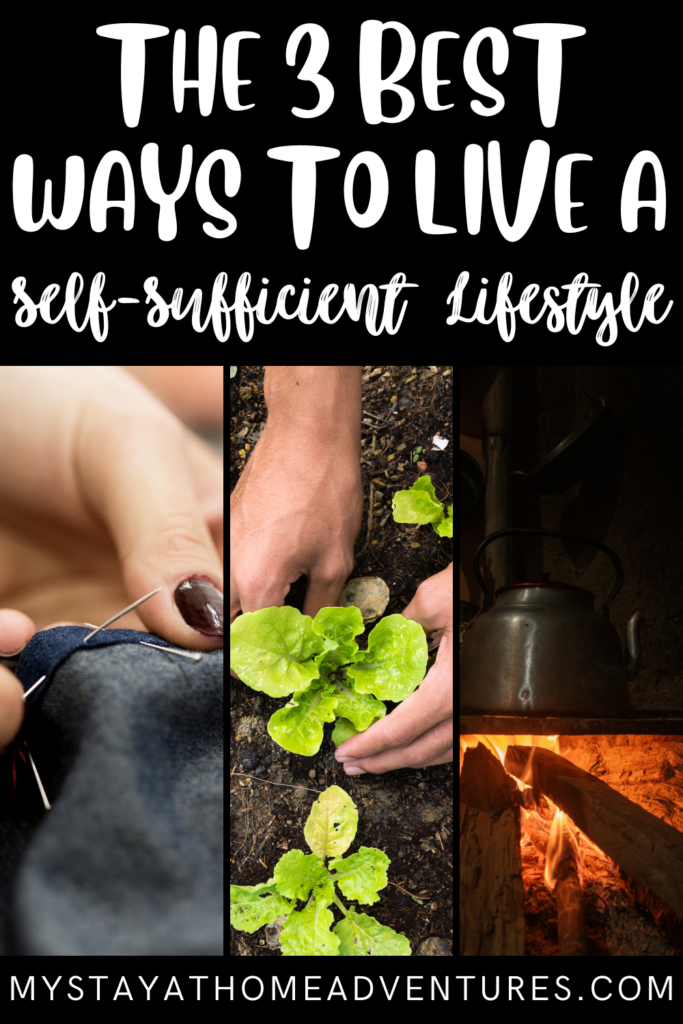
x: 322, y: 401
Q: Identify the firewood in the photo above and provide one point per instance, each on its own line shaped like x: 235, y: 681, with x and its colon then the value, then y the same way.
x: 644, y: 847
x: 571, y: 928
x: 491, y: 889
x: 646, y: 769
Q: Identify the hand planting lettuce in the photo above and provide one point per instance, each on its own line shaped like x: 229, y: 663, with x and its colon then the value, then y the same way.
x: 329, y: 831
x: 420, y: 505
x: 280, y: 651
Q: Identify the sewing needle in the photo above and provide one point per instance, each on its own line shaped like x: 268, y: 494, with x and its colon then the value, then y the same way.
x: 34, y: 686
x: 119, y: 614
x: 169, y: 650
x: 173, y: 650
x: 46, y: 802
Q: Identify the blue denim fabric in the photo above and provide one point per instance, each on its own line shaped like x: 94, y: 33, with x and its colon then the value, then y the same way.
x: 128, y: 741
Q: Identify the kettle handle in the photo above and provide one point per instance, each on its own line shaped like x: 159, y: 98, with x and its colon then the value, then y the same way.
x: 551, y: 533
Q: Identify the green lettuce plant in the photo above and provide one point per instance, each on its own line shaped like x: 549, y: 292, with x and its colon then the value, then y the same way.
x: 420, y: 505
x: 279, y: 651
x: 329, y: 831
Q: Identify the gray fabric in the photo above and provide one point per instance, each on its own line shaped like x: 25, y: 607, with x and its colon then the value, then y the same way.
x: 128, y: 741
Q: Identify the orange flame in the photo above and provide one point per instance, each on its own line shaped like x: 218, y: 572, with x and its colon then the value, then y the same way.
x: 563, y: 835
x: 561, y: 843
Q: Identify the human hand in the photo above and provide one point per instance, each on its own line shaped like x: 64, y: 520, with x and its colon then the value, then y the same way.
x: 11, y: 707
x: 16, y: 629
x: 419, y: 732
x: 193, y: 393
x: 296, y: 509
x: 104, y: 496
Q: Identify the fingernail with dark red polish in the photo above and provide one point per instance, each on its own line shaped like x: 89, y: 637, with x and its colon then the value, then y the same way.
x: 201, y: 605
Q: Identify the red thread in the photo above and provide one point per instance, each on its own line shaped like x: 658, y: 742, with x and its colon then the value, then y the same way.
x: 16, y: 749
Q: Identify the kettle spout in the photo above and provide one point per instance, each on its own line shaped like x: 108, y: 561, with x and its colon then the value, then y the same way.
x: 633, y: 652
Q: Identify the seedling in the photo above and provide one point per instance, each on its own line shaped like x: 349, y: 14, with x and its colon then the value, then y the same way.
x: 279, y: 651
x: 329, y: 831
x: 420, y: 505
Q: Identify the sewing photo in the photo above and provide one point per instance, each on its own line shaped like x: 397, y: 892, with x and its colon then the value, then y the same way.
x: 111, y: 675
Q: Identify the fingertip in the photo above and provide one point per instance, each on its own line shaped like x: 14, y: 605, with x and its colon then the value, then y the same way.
x: 16, y: 629
x: 202, y: 603
x: 12, y: 706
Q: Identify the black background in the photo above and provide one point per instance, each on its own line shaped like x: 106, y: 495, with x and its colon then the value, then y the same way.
x: 616, y: 99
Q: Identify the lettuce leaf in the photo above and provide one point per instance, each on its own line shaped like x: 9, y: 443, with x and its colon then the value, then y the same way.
x: 340, y: 625
x: 395, y: 661
x: 252, y: 906
x: 332, y: 823
x: 273, y: 650
x: 307, y: 933
x: 298, y: 726
x: 419, y: 505
x: 444, y: 527
x: 361, y: 875
x: 362, y: 935
x: 296, y: 874
x: 279, y: 651
x: 344, y: 730
x: 361, y: 709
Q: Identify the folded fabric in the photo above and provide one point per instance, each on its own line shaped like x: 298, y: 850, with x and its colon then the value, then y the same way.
x: 128, y: 741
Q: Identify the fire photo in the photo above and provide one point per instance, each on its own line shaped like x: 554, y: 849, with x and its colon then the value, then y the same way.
x: 571, y: 676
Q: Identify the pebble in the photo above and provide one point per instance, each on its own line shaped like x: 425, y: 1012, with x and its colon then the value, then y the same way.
x: 434, y: 946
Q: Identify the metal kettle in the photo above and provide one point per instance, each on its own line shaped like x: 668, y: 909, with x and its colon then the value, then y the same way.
x: 542, y: 649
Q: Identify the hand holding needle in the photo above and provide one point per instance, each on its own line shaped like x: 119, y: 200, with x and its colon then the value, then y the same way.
x: 96, y: 629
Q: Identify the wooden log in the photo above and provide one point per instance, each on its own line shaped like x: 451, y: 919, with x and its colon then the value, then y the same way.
x: 646, y: 848
x: 571, y: 927
x: 491, y: 889
x: 538, y: 839
x: 646, y: 769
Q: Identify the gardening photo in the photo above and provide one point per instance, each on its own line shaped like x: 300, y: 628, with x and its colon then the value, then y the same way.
x: 111, y: 664
x: 341, y: 661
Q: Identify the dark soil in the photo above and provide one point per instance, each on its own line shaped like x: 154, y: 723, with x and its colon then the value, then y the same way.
x: 407, y: 813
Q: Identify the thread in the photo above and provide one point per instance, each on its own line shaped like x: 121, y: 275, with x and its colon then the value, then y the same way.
x: 15, y: 749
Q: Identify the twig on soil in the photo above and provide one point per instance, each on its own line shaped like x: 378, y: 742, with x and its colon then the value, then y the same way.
x: 258, y: 852
x: 367, y: 539
x: 403, y: 890
x: 286, y: 784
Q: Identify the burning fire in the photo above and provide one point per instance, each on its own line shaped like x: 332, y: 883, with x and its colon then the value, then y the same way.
x: 544, y: 825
